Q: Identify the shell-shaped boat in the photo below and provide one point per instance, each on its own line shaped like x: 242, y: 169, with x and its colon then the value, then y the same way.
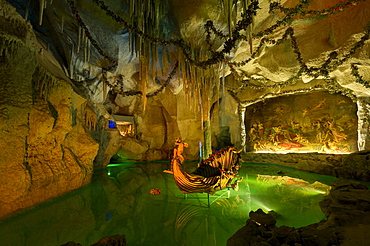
x: 213, y: 174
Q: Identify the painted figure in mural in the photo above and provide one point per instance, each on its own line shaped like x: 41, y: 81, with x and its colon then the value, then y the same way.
x: 258, y: 145
x: 179, y: 149
x: 279, y: 134
x: 306, y: 120
x: 294, y: 125
x: 321, y: 104
x: 301, y: 139
x: 283, y: 139
x: 330, y: 147
x: 253, y: 132
x: 336, y: 131
x: 321, y: 134
x: 261, y: 130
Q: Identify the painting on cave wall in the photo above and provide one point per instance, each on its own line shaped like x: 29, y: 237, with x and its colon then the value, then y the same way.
x: 314, y: 122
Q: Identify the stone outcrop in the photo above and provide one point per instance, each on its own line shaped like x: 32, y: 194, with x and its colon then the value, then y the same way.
x: 347, y: 209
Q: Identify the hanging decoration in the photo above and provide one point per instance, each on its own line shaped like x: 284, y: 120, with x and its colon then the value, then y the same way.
x: 359, y: 79
x: 242, y: 25
x: 331, y: 63
x: 299, y: 11
x: 230, y: 41
x: 118, y: 87
x: 113, y: 62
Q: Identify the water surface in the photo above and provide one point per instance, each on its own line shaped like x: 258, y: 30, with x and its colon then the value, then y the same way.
x: 119, y: 201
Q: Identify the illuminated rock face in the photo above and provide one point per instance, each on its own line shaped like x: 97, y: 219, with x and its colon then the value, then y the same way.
x: 46, y: 149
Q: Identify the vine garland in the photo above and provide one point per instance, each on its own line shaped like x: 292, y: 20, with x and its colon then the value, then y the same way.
x: 299, y: 11
x: 243, y: 24
x: 97, y: 46
x: 331, y: 63
x: 119, y: 88
x: 359, y: 79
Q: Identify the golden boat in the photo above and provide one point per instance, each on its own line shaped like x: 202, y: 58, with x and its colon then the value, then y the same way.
x: 213, y: 174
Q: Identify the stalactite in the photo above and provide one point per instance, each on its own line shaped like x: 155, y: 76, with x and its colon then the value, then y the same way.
x: 146, y: 15
x: 206, y: 100
x: 153, y: 61
x: 229, y: 2
x: 71, y: 63
x: 9, y: 46
x: 223, y: 103
x: 79, y: 39
x: 85, y: 39
x: 180, y: 65
x: 250, y: 27
x: 245, y: 4
x: 143, y: 78
x: 165, y: 61
x: 200, y: 103
x: 219, y: 97
x: 105, y: 91
x: 230, y: 9
x: 90, y: 118
x: 332, y: 40
x: 88, y: 49
x: 62, y: 24
x: 363, y: 126
x: 243, y: 135
x: 27, y: 7
x: 44, y: 83
x: 41, y: 13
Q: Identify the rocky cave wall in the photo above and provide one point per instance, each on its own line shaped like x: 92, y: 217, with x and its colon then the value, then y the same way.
x: 46, y: 148
x: 166, y: 118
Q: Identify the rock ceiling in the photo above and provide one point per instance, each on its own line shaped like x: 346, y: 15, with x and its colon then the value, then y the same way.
x: 282, y: 47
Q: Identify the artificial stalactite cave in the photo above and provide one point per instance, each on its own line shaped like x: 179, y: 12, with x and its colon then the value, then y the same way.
x: 268, y: 77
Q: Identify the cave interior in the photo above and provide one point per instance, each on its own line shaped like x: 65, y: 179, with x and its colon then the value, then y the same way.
x: 87, y: 83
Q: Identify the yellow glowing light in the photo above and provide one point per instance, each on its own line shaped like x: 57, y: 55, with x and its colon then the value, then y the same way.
x: 261, y: 205
x: 316, y: 191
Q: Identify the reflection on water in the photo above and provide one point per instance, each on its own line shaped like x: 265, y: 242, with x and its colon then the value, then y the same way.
x: 120, y: 200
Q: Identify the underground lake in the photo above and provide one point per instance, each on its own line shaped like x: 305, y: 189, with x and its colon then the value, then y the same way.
x: 142, y: 202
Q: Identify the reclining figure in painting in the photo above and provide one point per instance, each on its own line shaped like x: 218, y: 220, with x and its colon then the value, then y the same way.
x: 215, y: 173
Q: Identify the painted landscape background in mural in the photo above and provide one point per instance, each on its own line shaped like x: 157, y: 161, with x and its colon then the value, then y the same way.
x: 319, y: 122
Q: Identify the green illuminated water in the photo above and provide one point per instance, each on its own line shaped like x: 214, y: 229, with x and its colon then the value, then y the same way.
x: 118, y: 201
